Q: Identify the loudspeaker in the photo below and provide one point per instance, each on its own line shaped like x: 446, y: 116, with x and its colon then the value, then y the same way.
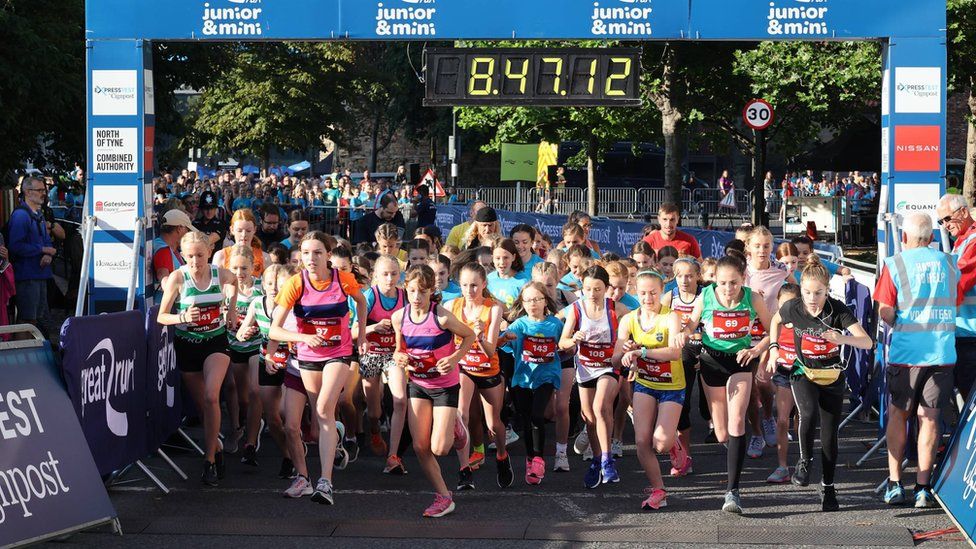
x: 414, y: 171
x: 552, y: 174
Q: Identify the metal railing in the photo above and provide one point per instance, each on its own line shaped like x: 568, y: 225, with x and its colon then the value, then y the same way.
x: 88, y: 231
x: 138, y: 240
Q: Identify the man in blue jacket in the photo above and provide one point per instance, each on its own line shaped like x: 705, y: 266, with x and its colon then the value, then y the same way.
x: 31, y: 253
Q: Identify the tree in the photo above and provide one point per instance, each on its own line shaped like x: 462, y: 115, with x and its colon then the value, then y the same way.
x: 961, y: 15
x: 42, y: 93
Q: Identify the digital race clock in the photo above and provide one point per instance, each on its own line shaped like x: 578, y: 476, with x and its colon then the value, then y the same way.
x: 533, y: 76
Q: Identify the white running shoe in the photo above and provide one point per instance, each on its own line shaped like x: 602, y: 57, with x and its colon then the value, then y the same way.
x: 617, y: 448
x: 562, y: 463
x: 769, y: 432
x: 301, y: 486
x: 582, y: 442
x: 756, y: 446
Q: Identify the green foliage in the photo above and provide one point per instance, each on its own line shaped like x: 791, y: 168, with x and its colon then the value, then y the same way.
x: 42, y: 92
x: 961, y: 35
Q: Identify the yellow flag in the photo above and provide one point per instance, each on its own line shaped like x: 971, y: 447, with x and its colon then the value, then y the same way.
x: 548, y: 154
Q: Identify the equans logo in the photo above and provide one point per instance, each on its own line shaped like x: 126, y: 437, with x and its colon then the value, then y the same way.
x: 166, y: 359
x: 806, y: 19
x: 907, y: 206
x: 621, y: 21
x: 116, y: 93
x: 232, y: 21
x: 406, y: 21
x: 105, y: 379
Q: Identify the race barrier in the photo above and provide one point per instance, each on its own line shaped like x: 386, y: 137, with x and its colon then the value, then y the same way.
x: 954, y: 478
x: 610, y: 234
x: 121, y: 376
x: 49, y: 485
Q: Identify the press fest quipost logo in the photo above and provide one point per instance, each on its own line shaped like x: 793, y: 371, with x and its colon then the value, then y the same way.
x: 802, y: 18
x: 631, y: 19
x: 105, y: 377
x: 414, y: 19
x: 239, y: 18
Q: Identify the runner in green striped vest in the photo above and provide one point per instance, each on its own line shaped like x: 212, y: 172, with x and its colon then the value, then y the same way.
x: 200, y: 343
x: 727, y: 310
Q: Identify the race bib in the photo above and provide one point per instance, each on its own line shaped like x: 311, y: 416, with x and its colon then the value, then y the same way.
x: 728, y: 325
x: 684, y: 317
x: 595, y: 355
x: 423, y: 365
x: 475, y: 360
x: 817, y: 348
x: 538, y: 350
x: 381, y: 344
x: 654, y: 372
x: 758, y: 331
x: 787, y: 347
x: 329, y: 329
x: 209, y: 317
x: 279, y: 357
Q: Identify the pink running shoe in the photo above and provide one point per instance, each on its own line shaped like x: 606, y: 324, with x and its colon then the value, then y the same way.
x: 460, y: 434
x: 685, y: 470
x: 656, y: 498
x: 443, y: 505
x: 539, y: 468
x: 530, y: 472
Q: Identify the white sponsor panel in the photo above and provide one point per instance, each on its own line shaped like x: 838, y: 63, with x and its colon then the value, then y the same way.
x: 885, y: 151
x: 116, y: 206
x: 114, y: 93
x: 115, y: 150
x: 916, y: 197
x: 149, y: 94
x: 112, y: 262
x: 918, y: 90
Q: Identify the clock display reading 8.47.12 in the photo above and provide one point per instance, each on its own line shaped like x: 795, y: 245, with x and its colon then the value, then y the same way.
x: 533, y: 76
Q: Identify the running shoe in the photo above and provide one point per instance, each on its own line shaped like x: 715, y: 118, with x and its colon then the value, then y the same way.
x: 756, y: 445
x: 732, y: 502
x: 656, y: 498
x: 530, y: 477
x: 924, y: 498
x: 828, y: 499
x: 341, y: 458
x: 209, y: 476
x: 511, y: 437
x: 505, y: 475
x: 301, y: 486
x: 685, y: 470
x: 220, y: 465
x: 394, y: 466
x: 232, y: 441
x: 588, y: 454
x: 561, y: 464
x: 894, y: 494
x: 781, y: 475
x: 582, y: 442
x: 323, y: 492
x: 476, y: 460
x: 377, y: 445
x: 261, y: 431
x: 801, y: 473
x: 594, y: 475
x: 341, y: 429
x: 443, y: 505
x: 539, y: 468
x: 287, y: 469
x: 617, y: 448
x: 769, y: 432
x: 610, y: 472
x: 465, y: 480
x: 710, y: 437
x: 249, y: 456
x: 460, y: 433
x: 678, y: 455
x: 352, y: 449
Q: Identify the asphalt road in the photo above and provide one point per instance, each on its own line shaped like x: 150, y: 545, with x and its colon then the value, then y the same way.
x: 247, y: 509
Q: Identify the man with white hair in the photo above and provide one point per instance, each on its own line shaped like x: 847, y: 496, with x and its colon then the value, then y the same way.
x: 916, y: 295
x: 954, y: 217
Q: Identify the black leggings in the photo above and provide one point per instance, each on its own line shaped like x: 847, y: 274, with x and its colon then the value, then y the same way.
x: 530, y: 405
x: 829, y: 401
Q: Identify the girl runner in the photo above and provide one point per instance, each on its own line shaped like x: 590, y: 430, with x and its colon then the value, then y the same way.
x: 682, y: 300
x: 548, y: 275
x: 441, y: 266
x: 784, y: 394
x: 297, y: 228
x: 418, y: 250
x: 666, y: 257
x: 201, y: 343
x: 523, y: 236
x: 479, y: 366
x: 659, y: 381
x: 534, y: 333
x: 244, y: 356
x: 619, y: 278
x: 643, y: 254
x: 591, y: 324
x: 318, y: 298
x: 727, y: 311
x: 507, y: 280
x: 382, y: 300
x: 269, y: 373
x: 818, y: 322
x: 243, y: 224
x: 425, y: 345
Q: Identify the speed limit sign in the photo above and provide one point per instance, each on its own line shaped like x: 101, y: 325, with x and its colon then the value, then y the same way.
x: 758, y: 114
